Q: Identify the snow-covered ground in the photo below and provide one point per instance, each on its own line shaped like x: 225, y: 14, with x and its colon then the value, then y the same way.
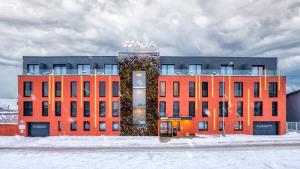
x: 232, y: 151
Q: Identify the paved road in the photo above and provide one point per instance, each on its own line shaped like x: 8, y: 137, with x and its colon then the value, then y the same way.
x: 179, y: 148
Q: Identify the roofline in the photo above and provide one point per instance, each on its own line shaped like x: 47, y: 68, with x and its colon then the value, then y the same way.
x: 294, y: 92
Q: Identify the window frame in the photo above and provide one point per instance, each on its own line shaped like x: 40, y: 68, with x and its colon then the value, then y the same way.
x: 176, y: 93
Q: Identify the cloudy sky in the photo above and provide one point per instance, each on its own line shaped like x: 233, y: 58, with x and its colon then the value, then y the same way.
x: 262, y: 28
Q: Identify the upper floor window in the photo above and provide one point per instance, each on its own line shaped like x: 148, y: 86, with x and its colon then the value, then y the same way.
x: 256, y: 89
x: 258, y: 108
x: 204, y: 89
x: 111, y: 69
x: 102, y: 108
x: 73, y: 89
x: 223, y: 109
x: 45, y: 89
x: 33, y: 69
x: 195, y: 69
x: 102, y: 88
x: 192, y: 109
x: 27, y: 111
x: 273, y: 89
x: 73, y: 108
x: 176, y: 89
x: 274, y: 108
x: 176, y: 109
x: 84, y: 69
x: 205, y: 111
x: 258, y: 70
x: 238, y: 89
x: 192, y: 89
x: 115, y: 109
x: 115, y: 88
x: 57, y: 108
x: 167, y: 69
x: 162, y: 108
x: 60, y: 69
x: 226, y: 69
x: 57, y: 89
x: 86, y: 91
x: 86, y: 109
x: 162, y: 89
x: 221, y: 89
x: 27, y: 89
x: 239, y: 109
x: 44, y: 108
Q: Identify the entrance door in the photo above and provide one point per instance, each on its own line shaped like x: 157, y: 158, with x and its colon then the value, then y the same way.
x: 265, y: 128
x: 165, y: 129
x: 38, y: 129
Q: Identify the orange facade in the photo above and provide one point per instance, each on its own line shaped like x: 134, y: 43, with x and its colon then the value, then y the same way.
x: 66, y: 99
x: 187, y: 126
x: 8, y: 129
x: 213, y: 99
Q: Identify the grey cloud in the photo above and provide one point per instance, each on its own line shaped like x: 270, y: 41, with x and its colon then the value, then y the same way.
x: 263, y: 28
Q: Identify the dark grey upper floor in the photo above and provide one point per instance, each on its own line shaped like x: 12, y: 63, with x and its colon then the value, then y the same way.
x: 177, y: 62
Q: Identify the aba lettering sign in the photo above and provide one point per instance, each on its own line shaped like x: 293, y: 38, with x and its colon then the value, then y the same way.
x: 139, y: 46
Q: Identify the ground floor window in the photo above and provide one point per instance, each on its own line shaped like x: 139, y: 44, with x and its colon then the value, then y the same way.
x: 221, y: 125
x: 73, y: 126
x: 59, y: 126
x: 102, y: 126
x: 86, y: 126
x: 115, y: 126
x: 203, y: 125
x: 238, y: 126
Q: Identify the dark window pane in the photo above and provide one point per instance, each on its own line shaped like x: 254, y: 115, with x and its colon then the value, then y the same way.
x: 115, y: 89
x: 86, y: 91
x: 57, y: 89
x: 205, y: 111
x: 73, y: 89
x: 86, y: 126
x: 45, y: 89
x: 192, y: 109
x: 102, y: 108
x: 45, y: 108
x: 162, y: 108
x: 238, y: 89
x: 86, y: 106
x: 192, y: 89
x: 27, y: 89
x: 258, y: 108
x: 204, y: 89
x: 57, y: 108
x: 73, y: 126
x: 73, y: 109
x: 221, y: 89
x: 274, y: 108
x: 176, y: 109
x: 223, y: 109
x: 256, y: 89
x: 102, y: 89
x: 272, y: 89
x: 27, y: 108
x: 239, y: 109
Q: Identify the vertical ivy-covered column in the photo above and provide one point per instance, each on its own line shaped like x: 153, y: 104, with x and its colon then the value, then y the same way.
x: 135, y: 61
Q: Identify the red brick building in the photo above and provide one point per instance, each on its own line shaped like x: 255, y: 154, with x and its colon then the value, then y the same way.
x: 191, y: 95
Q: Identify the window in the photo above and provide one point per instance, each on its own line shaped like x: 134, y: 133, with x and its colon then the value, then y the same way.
x: 238, y: 89
x: 45, y: 89
x: 73, y: 109
x: 162, y: 91
x: 57, y: 89
x: 223, y: 109
x: 176, y: 109
x: 45, y: 108
x: 86, y: 126
x: 139, y: 97
x: 27, y: 108
x: 60, y: 69
x: 221, y: 125
x: 175, y: 89
x: 115, y: 89
x: 73, y: 126
x: 102, y: 126
x: 203, y: 125
x: 239, y: 108
x: 204, y: 89
x: 115, y: 108
x: 57, y: 108
x: 221, y: 89
x: 167, y: 69
x: 272, y: 89
x: 258, y: 108
x: 258, y: 70
x: 162, y: 108
x: 86, y: 107
x: 115, y: 126
x: 86, y: 91
x: 274, y: 108
x: 111, y: 69
x: 102, y: 108
x: 238, y: 126
x: 27, y: 89
x: 192, y: 89
x: 178, y: 125
x: 59, y: 125
x: 33, y: 69
x: 192, y: 109
x: 256, y: 89
x: 73, y: 89
x: 195, y: 69
x: 102, y: 89
x: 84, y: 69
x: 226, y: 69
x: 205, y: 111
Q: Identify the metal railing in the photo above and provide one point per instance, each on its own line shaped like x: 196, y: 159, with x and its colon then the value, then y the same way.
x: 71, y: 72
x: 217, y: 72
x: 293, y: 126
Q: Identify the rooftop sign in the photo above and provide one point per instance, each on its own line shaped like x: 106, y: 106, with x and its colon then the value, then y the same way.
x: 139, y: 46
